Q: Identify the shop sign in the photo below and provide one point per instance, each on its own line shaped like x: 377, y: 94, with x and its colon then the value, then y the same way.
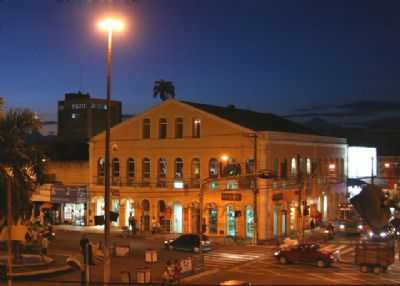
x: 231, y: 197
x: 68, y: 194
x: 277, y: 197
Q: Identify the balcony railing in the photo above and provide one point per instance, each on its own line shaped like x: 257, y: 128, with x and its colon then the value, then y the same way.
x: 227, y: 183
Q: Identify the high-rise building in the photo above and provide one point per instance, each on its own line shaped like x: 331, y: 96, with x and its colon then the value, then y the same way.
x: 81, y: 117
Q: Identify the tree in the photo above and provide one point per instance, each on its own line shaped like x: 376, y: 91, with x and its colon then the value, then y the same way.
x: 20, y: 162
x: 164, y: 89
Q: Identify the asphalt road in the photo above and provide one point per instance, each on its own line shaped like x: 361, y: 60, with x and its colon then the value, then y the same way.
x: 254, y: 264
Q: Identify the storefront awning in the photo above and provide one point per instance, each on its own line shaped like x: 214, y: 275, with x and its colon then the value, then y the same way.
x: 46, y: 206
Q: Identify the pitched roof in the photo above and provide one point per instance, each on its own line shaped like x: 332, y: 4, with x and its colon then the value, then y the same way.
x: 256, y: 121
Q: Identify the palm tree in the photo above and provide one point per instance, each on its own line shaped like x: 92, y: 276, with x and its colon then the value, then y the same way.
x: 163, y: 88
x: 20, y: 162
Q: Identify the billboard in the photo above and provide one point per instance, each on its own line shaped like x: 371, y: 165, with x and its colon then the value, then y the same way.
x: 362, y: 161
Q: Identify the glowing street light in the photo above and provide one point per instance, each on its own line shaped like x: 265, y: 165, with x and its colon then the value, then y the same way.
x: 224, y: 157
x: 111, y: 24
x: 108, y: 25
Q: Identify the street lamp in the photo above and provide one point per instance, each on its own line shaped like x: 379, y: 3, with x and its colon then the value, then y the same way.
x: 108, y: 25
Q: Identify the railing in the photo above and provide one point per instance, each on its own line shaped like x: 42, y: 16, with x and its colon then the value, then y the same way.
x: 226, y: 183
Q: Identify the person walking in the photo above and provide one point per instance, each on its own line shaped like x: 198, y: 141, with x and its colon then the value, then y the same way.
x: 131, y: 221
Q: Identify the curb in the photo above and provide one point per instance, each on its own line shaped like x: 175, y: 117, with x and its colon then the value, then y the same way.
x: 201, y: 274
x: 41, y: 272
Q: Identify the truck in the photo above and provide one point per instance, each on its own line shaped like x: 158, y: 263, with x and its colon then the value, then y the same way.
x: 377, y: 252
x: 374, y: 256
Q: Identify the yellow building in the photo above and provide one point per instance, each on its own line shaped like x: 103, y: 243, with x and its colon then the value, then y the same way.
x: 180, y: 160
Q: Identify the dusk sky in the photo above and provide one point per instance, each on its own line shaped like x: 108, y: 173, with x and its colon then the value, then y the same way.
x: 272, y: 56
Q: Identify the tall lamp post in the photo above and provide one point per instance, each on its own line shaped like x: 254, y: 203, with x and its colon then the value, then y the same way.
x: 108, y: 25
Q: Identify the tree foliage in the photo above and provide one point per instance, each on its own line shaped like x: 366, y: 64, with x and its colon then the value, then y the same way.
x: 164, y: 89
x: 20, y: 162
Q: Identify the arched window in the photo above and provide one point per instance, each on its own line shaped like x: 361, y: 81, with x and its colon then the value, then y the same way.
x: 293, y: 167
x: 163, y: 124
x: 146, y: 168
x: 250, y: 166
x: 162, y: 173
x: 162, y: 168
x: 178, y: 168
x: 195, y: 169
x: 284, y: 169
x: 100, y: 167
x: 115, y: 172
x: 308, y: 166
x: 213, y: 168
x: 276, y: 167
x: 115, y: 167
x: 179, y: 128
x: 146, y: 128
x: 130, y: 170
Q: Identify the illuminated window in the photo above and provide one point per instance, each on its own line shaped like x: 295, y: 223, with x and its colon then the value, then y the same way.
x: 162, y: 168
x: 100, y: 167
x: 146, y: 128
x: 178, y: 168
x: 178, y: 128
x: 308, y: 167
x: 232, y: 185
x: 196, y: 128
x: 163, y: 128
x: 195, y: 168
x: 75, y: 115
x: 213, y: 168
x: 332, y: 167
x: 293, y: 167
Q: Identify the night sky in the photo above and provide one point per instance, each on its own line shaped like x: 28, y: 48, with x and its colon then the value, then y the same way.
x: 285, y: 57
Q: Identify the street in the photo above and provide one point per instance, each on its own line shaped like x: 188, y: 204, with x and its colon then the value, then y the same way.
x: 254, y: 264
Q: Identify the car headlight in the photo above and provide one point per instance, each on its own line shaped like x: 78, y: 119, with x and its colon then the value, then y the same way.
x: 326, y: 231
x: 165, y: 241
x: 360, y: 226
x: 342, y: 226
x: 276, y: 253
x: 383, y: 234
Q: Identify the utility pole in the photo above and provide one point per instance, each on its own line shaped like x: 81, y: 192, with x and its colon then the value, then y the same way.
x: 9, y: 226
x: 255, y: 192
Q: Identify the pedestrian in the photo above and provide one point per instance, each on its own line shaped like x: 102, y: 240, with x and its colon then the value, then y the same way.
x: 131, y: 223
x: 84, y: 243
x: 168, y: 274
x: 44, y: 244
x: 312, y: 224
x: 177, y: 271
x: 154, y: 225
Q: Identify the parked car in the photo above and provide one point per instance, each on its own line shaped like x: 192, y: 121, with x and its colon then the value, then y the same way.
x: 305, y: 253
x: 350, y: 227
x: 189, y: 242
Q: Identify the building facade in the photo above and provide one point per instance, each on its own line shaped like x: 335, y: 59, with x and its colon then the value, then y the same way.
x: 81, y: 117
x: 63, y: 196
x: 180, y: 161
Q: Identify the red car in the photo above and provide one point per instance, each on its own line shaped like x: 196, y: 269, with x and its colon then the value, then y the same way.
x: 305, y: 253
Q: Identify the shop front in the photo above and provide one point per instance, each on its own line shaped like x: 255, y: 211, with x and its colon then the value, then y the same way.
x: 72, y: 203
